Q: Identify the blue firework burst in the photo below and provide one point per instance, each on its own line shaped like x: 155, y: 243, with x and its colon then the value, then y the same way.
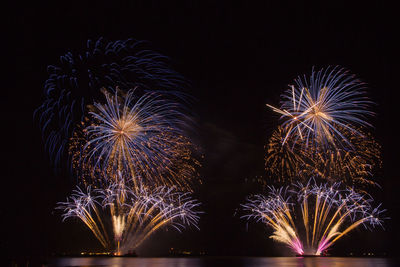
x: 76, y: 81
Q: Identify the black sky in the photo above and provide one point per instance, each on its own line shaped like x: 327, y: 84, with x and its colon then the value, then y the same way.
x: 238, y: 57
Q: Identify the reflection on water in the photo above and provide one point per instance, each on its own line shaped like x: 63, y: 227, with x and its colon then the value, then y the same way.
x: 225, y: 261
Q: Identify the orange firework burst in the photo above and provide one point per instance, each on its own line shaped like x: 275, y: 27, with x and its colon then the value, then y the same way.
x: 288, y: 160
x: 144, y: 137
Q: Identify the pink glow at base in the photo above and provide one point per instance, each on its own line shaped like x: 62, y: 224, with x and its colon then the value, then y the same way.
x: 322, y: 246
x: 297, y: 246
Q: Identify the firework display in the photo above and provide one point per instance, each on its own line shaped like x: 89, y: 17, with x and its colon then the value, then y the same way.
x: 324, y: 131
x: 78, y: 78
x: 310, y: 218
x: 122, y: 218
x: 116, y: 116
x: 143, y: 136
x: 324, y: 134
x: 118, y: 110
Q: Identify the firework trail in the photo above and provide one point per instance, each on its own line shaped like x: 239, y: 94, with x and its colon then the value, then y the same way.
x: 283, y: 160
x: 318, y: 107
x: 78, y: 78
x: 354, y: 167
x: 311, y: 218
x: 122, y: 218
x: 141, y: 136
x: 289, y: 160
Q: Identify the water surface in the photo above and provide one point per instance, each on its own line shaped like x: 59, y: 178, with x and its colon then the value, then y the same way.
x: 226, y: 261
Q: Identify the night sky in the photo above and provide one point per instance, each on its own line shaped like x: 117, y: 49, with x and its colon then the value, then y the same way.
x: 238, y: 58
